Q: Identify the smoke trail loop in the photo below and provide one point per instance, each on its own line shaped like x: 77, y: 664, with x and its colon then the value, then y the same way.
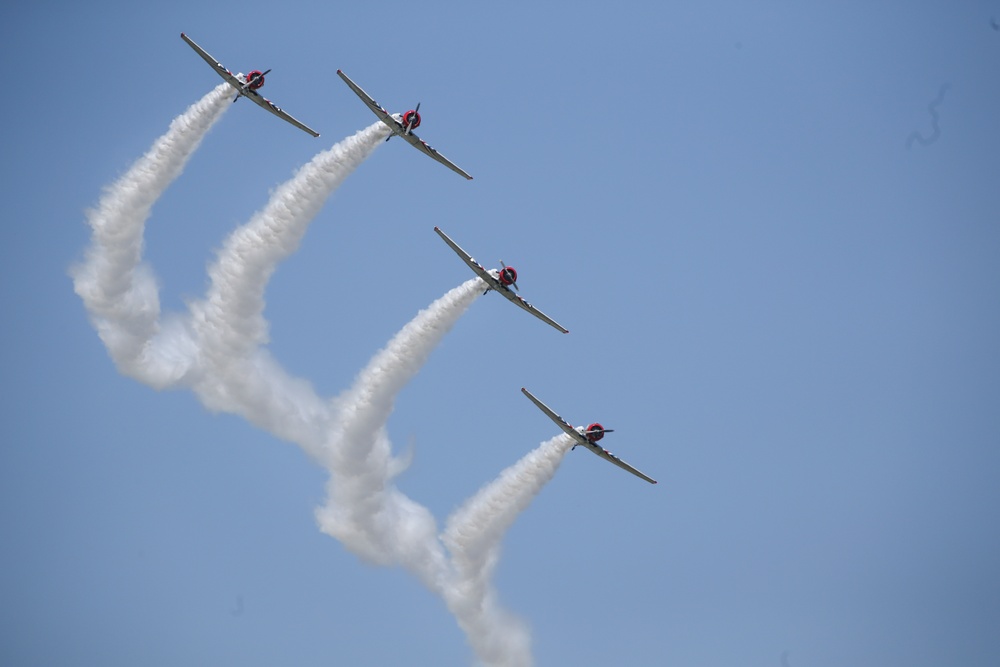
x: 231, y: 317
x: 363, y: 509
x: 217, y: 348
x: 473, y: 534
x: 229, y: 323
x: 119, y: 292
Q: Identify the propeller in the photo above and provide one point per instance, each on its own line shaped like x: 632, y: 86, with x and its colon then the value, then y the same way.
x: 260, y: 78
x: 503, y: 269
x: 252, y: 80
x: 597, y: 433
x: 413, y: 118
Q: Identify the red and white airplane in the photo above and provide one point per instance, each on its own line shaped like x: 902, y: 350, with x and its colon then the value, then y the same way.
x: 587, y: 437
x: 247, y: 86
x: 500, y: 280
x: 402, y: 125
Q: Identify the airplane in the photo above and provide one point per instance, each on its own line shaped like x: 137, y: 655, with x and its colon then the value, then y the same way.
x: 501, y: 281
x: 247, y: 86
x: 402, y: 125
x: 587, y: 437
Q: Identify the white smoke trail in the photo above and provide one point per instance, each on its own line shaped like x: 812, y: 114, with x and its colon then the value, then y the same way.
x: 219, y: 351
x: 363, y: 510
x: 118, y: 290
x: 473, y: 535
x: 237, y: 374
x: 371, y: 517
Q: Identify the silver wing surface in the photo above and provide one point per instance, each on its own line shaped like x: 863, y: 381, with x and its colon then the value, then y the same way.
x: 430, y: 151
x: 382, y: 114
x: 233, y: 80
x: 495, y: 284
x: 563, y: 424
x: 517, y: 300
x: 398, y: 128
x: 582, y: 439
x: 487, y: 277
x: 608, y: 456
x: 239, y: 84
x: 265, y: 103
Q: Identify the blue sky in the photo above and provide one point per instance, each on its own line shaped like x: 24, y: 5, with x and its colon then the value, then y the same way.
x: 787, y: 315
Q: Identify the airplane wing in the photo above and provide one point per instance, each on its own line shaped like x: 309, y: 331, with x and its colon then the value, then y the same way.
x: 518, y: 300
x: 487, y: 277
x: 237, y: 83
x: 496, y: 285
x: 398, y: 128
x: 382, y: 114
x: 582, y: 440
x: 608, y: 456
x: 265, y: 103
x: 563, y: 424
x: 233, y: 80
x: 429, y: 150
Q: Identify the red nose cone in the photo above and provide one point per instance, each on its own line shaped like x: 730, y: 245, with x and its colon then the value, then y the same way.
x: 508, y: 276
x: 595, y: 432
x: 260, y: 79
x: 411, y: 118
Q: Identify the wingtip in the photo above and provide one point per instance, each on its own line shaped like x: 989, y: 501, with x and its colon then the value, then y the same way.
x: 437, y: 229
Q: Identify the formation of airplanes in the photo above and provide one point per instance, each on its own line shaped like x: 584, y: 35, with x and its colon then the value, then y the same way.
x: 502, y: 280
x: 401, y: 124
